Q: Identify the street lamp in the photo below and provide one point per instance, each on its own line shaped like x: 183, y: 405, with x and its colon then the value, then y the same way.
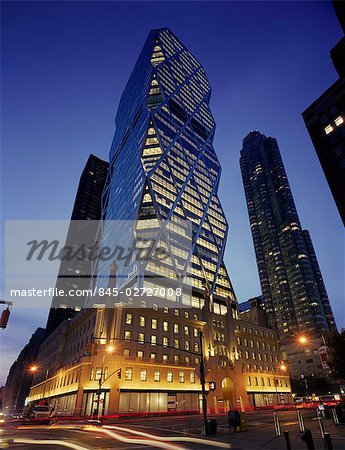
x: 282, y: 367
x: 303, y: 340
x: 34, y: 368
x: 108, y: 349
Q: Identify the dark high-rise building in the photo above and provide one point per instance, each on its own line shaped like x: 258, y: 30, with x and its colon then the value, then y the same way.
x: 75, y: 274
x: 325, y: 121
x: 19, y: 378
x: 295, y: 297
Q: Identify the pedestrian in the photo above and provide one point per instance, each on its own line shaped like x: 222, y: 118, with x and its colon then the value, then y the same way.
x: 321, y: 408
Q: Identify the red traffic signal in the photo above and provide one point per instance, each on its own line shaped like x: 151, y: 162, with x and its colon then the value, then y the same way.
x: 4, y: 318
x: 119, y: 373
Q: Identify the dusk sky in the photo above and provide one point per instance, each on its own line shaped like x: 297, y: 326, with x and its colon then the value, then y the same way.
x: 65, y: 65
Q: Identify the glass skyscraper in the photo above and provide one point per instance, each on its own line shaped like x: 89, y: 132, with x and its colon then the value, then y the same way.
x: 294, y: 294
x: 164, y: 174
x: 162, y: 185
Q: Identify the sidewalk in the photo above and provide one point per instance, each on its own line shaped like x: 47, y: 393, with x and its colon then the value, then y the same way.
x: 263, y: 437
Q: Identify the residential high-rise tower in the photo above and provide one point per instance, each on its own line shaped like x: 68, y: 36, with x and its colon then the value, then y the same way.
x: 294, y: 294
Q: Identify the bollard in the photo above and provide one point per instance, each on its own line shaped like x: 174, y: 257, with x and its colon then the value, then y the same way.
x: 276, y: 424
x: 307, y: 437
x: 287, y: 440
x: 327, y: 441
x: 321, y: 424
x: 335, y: 416
x: 300, y: 421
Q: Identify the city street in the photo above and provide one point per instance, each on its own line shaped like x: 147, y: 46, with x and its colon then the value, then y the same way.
x: 172, y: 433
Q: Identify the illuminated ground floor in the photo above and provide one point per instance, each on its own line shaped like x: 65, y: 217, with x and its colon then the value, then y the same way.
x: 153, y: 388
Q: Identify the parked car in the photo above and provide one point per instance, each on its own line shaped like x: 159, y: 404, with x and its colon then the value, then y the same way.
x: 39, y: 412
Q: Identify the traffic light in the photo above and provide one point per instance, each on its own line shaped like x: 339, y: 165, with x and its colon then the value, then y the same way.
x: 119, y: 373
x: 4, y: 318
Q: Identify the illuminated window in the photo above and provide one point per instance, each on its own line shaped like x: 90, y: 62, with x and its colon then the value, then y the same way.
x: 165, y: 341
x: 165, y: 357
x: 141, y: 338
x: 181, y: 376
x: 140, y: 354
x: 176, y: 359
x: 192, y: 377
x: 176, y: 330
x: 170, y: 376
x: 157, y: 376
x: 186, y: 331
x: 129, y: 374
x: 153, y: 356
x: 128, y: 335
x: 141, y: 321
x: 176, y: 343
x: 154, y: 324
x: 98, y: 373
x: 143, y: 374
x: 129, y: 319
x: 338, y: 121
x: 186, y: 345
x: 328, y: 129
x: 165, y: 326
x: 153, y: 340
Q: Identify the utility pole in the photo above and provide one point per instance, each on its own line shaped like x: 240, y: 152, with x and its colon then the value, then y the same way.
x: 202, y: 381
